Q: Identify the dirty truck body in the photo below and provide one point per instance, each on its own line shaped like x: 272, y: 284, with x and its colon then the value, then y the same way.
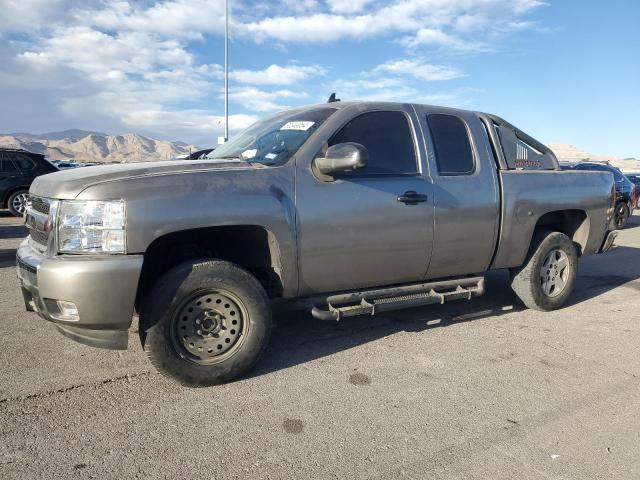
x: 330, y: 201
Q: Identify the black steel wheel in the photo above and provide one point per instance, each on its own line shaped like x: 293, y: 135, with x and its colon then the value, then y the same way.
x: 209, y: 327
x: 205, y: 322
x: 621, y: 215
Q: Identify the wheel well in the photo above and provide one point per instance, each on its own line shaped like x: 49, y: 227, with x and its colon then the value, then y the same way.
x: 9, y: 192
x: 252, y: 247
x: 573, y: 223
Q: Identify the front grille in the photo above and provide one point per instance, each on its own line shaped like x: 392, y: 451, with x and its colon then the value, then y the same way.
x: 40, y: 205
x: 38, y: 221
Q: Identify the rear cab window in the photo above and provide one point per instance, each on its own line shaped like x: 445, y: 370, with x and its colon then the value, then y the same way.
x: 450, y: 136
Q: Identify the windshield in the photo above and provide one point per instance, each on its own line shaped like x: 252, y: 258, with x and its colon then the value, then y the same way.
x: 274, y: 140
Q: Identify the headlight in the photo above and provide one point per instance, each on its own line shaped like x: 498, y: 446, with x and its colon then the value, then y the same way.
x: 91, y: 226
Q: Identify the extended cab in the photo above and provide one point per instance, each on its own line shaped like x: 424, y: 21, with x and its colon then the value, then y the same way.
x: 362, y: 206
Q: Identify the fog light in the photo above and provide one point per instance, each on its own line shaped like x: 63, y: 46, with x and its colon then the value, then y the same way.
x: 63, y: 310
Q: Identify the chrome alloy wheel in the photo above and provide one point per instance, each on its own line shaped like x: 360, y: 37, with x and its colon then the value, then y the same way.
x: 554, y: 273
x: 209, y: 327
x: 19, y: 202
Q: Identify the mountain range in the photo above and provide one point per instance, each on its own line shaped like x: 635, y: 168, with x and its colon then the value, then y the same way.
x: 86, y: 146
x: 572, y: 154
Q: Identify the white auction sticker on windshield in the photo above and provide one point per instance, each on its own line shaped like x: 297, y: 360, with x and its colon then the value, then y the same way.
x: 301, y: 125
x: 248, y: 154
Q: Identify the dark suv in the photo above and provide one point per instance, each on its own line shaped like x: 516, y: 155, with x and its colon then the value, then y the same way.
x: 625, y: 190
x: 18, y: 168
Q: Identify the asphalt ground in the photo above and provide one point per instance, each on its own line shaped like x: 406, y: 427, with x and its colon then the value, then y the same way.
x: 470, y: 390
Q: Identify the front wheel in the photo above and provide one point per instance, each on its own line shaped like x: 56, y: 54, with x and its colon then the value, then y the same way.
x: 17, y: 202
x: 547, y: 278
x: 205, y: 322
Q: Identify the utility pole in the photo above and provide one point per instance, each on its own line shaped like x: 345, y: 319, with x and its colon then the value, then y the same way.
x: 226, y: 70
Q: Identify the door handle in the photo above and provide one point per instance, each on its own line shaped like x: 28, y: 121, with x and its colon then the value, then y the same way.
x: 411, y: 198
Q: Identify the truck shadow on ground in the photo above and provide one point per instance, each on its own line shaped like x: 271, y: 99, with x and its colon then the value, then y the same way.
x: 298, y: 338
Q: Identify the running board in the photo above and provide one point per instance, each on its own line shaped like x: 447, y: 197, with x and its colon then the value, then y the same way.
x: 383, y: 300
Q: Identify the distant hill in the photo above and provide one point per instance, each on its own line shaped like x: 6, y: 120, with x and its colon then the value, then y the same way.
x: 84, y: 146
x: 570, y: 153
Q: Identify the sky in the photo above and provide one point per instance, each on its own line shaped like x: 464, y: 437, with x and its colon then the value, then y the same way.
x: 564, y: 71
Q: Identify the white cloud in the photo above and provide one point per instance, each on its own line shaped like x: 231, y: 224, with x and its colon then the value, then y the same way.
x: 277, y: 75
x: 263, y: 101
x: 435, y: 37
x: 33, y: 15
x: 175, y: 18
x: 348, y: 6
x: 419, y: 70
x: 444, y: 22
x: 125, y: 64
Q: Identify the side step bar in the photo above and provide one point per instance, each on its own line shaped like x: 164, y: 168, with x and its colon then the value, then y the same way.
x: 371, y: 302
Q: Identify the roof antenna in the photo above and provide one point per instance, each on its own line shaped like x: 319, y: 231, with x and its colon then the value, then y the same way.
x: 332, y: 98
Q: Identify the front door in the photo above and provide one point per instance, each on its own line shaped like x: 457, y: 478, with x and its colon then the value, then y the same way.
x: 373, y: 226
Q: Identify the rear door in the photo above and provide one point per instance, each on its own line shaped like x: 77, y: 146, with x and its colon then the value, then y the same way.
x: 465, y: 191
x: 363, y: 229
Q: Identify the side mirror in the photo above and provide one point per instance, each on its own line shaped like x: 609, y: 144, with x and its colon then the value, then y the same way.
x: 342, y: 158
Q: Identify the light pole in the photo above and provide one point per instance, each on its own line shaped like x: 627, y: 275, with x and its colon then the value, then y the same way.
x: 226, y: 70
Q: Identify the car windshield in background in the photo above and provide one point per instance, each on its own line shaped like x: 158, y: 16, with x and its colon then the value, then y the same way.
x: 274, y: 140
x: 634, y: 178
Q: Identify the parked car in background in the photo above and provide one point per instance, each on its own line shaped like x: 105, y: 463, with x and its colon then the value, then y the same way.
x: 368, y: 199
x: 635, y: 179
x: 18, y: 168
x: 200, y: 154
x: 626, y: 193
x: 63, y: 165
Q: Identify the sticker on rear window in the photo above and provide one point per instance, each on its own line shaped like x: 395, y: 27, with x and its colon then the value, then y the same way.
x: 301, y: 125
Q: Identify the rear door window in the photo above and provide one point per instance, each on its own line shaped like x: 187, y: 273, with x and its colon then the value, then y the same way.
x: 7, y: 166
x: 23, y: 162
x: 454, y: 155
x: 388, y: 139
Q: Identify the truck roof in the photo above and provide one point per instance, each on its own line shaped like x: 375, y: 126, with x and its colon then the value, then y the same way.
x: 339, y: 104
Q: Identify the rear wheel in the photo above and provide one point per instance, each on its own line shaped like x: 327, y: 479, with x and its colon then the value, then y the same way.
x: 622, y: 215
x: 547, y: 278
x: 205, y: 322
x: 17, y: 202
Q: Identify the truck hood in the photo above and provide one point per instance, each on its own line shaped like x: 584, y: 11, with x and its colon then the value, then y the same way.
x: 68, y: 184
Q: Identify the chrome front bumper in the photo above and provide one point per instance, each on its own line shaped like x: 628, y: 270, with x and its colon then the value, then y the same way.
x: 103, y: 288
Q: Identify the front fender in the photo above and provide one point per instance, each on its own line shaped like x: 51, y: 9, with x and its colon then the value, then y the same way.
x: 163, y: 204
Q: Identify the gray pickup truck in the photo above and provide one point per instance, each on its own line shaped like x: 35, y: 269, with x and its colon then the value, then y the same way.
x: 359, y: 207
